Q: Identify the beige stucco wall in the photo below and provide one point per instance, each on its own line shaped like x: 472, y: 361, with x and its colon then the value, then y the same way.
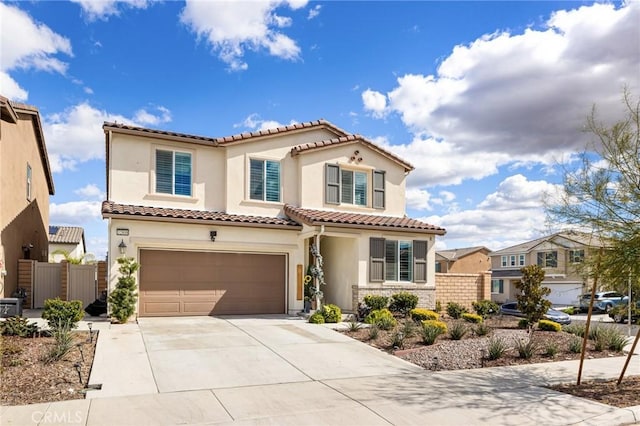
x: 471, y: 264
x: 75, y: 251
x: 22, y: 222
x: 341, y: 258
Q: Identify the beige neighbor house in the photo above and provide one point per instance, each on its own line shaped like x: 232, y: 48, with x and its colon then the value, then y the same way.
x: 560, y: 255
x: 25, y: 186
x: 467, y: 260
x: 228, y: 225
x: 66, y: 239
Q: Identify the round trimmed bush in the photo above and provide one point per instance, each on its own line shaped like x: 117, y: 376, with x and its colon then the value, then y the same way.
x: 331, y: 313
x: 434, y: 323
x: 403, y: 302
x: 421, y: 314
x: 316, y: 318
x: 473, y: 318
x: 382, y: 318
x: 376, y: 302
x: 546, y: 325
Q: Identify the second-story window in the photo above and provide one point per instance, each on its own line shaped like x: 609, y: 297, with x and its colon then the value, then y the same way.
x: 173, y: 172
x: 548, y: 259
x: 264, y: 180
x: 576, y: 256
x: 346, y: 186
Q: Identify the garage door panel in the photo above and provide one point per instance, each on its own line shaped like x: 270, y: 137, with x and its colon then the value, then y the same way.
x: 174, y: 283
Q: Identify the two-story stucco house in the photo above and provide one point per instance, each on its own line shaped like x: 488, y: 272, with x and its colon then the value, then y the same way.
x: 559, y: 254
x: 25, y: 186
x: 466, y: 260
x: 228, y: 225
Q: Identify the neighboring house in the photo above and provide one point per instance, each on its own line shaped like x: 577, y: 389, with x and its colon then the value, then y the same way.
x: 468, y: 260
x: 25, y: 186
x: 228, y: 225
x: 560, y: 255
x: 66, y: 239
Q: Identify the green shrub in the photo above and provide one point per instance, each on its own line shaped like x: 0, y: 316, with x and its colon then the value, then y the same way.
x: 455, y: 310
x: 123, y: 298
x: 62, y: 313
x: 397, y: 339
x: 569, y: 311
x: 547, y: 325
x: 402, y: 303
x: 316, y: 318
x: 523, y: 323
x: 331, y: 313
x: 457, y: 331
x: 438, y: 306
x: 431, y: 329
x: 382, y: 318
x: 617, y: 342
x: 354, y: 326
x: 486, y: 308
x: 409, y: 328
x: 473, y: 318
x: 481, y: 329
x: 575, y: 329
x: 434, y: 323
x: 376, y: 302
x: 575, y: 345
x: 62, y: 345
x: 551, y: 349
x: 18, y: 326
x: 526, y: 348
x: 496, y: 348
x: 609, y: 337
x: 421, y: 314
x: 374, y: 331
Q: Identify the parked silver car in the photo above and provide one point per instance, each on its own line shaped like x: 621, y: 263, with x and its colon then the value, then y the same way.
x: 603, y: 301
x: 560, y: 317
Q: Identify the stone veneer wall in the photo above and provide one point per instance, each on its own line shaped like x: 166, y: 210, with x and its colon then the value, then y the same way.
x: 463, y: 288
x: 426, y: 294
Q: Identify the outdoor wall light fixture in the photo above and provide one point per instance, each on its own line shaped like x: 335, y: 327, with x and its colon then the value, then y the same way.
x: 123, y: 247
x: 213, y: 235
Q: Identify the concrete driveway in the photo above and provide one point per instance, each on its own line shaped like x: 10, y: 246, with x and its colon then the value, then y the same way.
x: 214, y: 353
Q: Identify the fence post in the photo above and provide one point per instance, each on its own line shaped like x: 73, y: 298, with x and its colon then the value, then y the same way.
x: 26, y: 276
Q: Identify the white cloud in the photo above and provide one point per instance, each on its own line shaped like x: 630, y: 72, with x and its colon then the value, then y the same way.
x: 256, y: 123
x: 314, y: 12
x: 75, y: 212
x: 418, y: 199
x: 27, y: 44
x: 515, y: 98
x: 512, y: 214
x: 75, y: 135
x: 90, y: 192
x: 144, y: 117
x: 232, y: 28
x: 375, y: 102
x: 103, y: 9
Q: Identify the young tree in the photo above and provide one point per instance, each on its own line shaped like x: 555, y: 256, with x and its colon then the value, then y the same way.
x: 532, y: 301
x: 602, y: 194
x: 123, y: 298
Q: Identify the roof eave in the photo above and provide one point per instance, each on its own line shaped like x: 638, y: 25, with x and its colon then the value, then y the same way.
x: 373, y: 227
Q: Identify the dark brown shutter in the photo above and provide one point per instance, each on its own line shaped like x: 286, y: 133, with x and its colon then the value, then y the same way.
x: 378, y: 189
x: 376, y: 259
x: 420, y: 261
x: 332, y: 184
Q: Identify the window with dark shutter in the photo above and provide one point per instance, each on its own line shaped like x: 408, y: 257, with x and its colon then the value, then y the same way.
x: 378, y: 189
x: 332, y: 187
x: 376, y: 259
x: 420, y: 249
x: 164, y: 172
x: 346, y: 186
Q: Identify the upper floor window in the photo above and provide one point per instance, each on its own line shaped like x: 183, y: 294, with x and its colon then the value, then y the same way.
x: 548, y: 259
x: 173, y: 172
x: 400, y: 261
x: 576, y: 256
x: 497, y: 286
x: 29, y: 174
x: 352, y: 187
x: 512, y: 260
x: 264, y: 180
x: 438, y: 267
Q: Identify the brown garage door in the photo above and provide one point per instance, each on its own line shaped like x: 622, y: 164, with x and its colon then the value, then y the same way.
x: 174, y: 283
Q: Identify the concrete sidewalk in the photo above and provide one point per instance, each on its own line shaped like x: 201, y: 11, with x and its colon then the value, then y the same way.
x: 221, y: 373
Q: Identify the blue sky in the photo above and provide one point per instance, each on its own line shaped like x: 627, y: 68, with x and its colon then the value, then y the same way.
x: 484, y: 98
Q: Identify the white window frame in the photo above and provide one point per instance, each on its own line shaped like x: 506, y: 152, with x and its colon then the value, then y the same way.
x: 578, y: 259
x: 500, y: 283
x: 264, y: 179
x: 29, y: 181
x: 397, y: 262
x: 173, y: 171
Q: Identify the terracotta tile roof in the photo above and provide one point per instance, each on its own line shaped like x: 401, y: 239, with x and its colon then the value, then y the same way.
x: 345, y: 140
x: 356, y: 220
x: 66, y: 234
x: 241, y: 137
x: 111, y: 209
x: 581, y: 238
